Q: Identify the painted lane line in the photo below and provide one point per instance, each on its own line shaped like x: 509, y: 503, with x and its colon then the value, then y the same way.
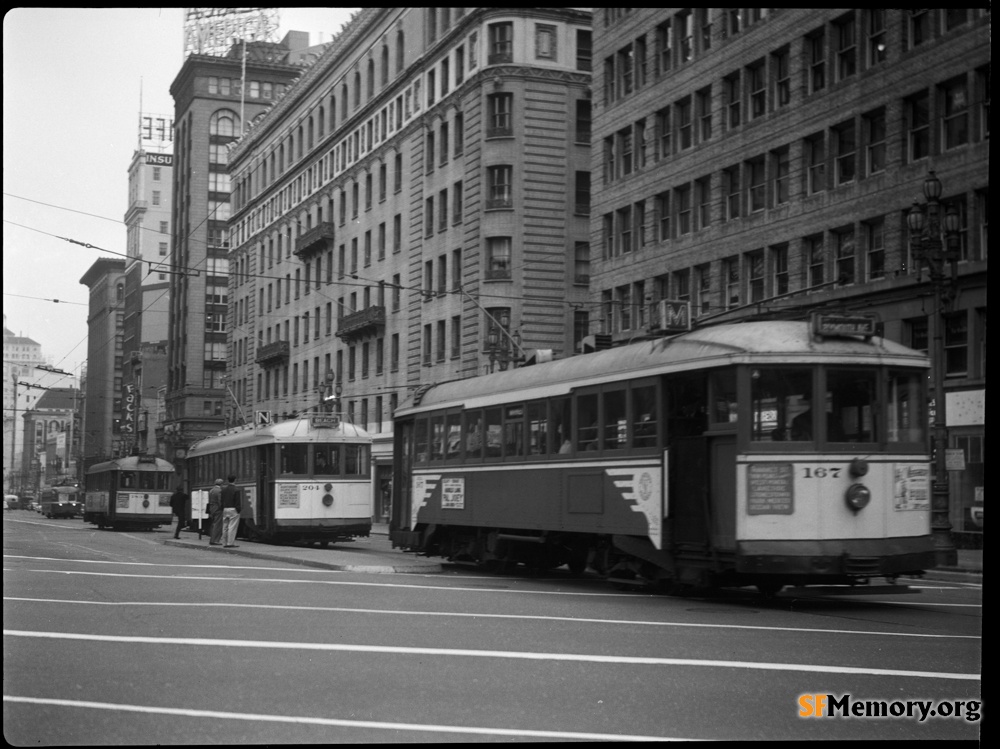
x: 307, y: 720
x: 501, y: 654
x: 516, y: 617
x: 609, y: 594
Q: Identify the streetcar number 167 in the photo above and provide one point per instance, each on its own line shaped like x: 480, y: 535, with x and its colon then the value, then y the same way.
x: 820, y: 472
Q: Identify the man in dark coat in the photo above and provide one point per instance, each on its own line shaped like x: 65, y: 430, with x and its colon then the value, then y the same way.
x: 178, y: 503
x: 232, y: 504
x: 215, y: 514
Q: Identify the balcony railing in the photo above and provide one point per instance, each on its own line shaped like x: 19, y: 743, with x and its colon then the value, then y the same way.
x: 499, y: 131
x: 314, y: 240
x: 273, y: 353
x: 364, y: 322
x: 493, y: 204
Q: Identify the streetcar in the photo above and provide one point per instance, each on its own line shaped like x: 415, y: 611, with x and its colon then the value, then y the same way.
x: 129, y: 493
x: 306, y: 479
x: 61, y: 501
x: 754, y: 454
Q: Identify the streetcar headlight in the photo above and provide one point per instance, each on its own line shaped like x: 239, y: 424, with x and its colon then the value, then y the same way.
x: 858, y: 496
x: 858, y: 467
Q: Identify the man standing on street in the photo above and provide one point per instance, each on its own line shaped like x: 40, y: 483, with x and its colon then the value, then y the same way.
x: 232, y: 504
x: 178, y: 500
x: 215, y: 514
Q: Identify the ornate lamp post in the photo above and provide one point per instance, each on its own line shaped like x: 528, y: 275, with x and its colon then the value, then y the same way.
x: 499, y: 343
x: 329, y: 393
x: 933, y: 240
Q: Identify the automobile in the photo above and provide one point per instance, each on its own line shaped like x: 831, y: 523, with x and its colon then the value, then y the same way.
x: 11, y: 502
x: 31, y: 505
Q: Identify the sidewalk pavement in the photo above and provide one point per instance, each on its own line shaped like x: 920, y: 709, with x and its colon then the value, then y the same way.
x: 376, y: 555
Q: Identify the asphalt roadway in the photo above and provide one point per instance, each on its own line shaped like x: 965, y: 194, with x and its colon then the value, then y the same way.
x: 375, y: 554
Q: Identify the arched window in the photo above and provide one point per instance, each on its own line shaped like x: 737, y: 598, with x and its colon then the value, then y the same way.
x: 281, y: 157
x: 357, y: 89
x: 320, y: 122
x: 309, y: 130
x: 333, y: 112
x: 224, y: 123
x: 399, y: 51
x: 343, y: 101
x: 298, y: 153
x: 371, y: 79
x: 120, y: 292
x: 385, y: 64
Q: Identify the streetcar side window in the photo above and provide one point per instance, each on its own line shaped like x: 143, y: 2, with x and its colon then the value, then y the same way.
x: 586, y: 422
x: 781, y: 404
x: 538, y: 427
x: 513, y: 431
x: 723, y: 393
x: 472, y: 434
x: 851, y: 415
x: 422, y: 453
x: 437, y: 437
x: 493, y: 430
x: 644, y: 421
x: 294, y: 459
x: 907, y: 418
x: 615, y: 420
x: 453, y: 435
x: 561, y: 426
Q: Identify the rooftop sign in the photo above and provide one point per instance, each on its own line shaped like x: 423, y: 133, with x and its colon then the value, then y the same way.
x: 832, y: 326
x: 212, y: 31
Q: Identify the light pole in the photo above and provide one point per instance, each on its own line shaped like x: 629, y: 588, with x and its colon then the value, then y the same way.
x: 500, y: 349
x: 933, y: 241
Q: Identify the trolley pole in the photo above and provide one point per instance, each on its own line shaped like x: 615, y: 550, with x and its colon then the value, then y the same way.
x: 933, y: 242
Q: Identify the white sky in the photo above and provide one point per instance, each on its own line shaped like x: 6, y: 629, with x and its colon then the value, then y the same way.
x: 71, y: 82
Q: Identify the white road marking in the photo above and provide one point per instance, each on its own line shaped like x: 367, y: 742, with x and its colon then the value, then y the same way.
x: 501, y: 654
x: 519, y: 617
x: 307, y: 720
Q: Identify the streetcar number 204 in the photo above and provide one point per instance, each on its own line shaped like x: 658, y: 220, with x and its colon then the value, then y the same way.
x: 820, y: 472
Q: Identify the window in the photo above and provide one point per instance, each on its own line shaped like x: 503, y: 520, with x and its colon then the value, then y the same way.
x: 755, y: 276
x: 682, y: 197
x: 156, y: 197
x: 847, y: 51
x: 625, y: 151
x: 918, y: 26
x: 456, y: 199
x: 955, y: 120
x: 815, y: 260
x: 874, y: 231
x: 779, y: 268
x: 702, y: 290
x: 684, y: 22
x: 624, y: 69
x: 816, y: 58
x: 584, y: 49
x: 875, y: 49
x: 703, y: 198
x: 581, y: 263
x: 663, y: 212
x: 624, y: 220
x: 781, y: 168
x: 918, y: 125
x: 499, y: 179
x: 756, y: 185
x: 703, y: 102
x: 874, y: 133
x: 501, y: 43
x: 582, y: 193
x: 664, y: 51
x: 685, y: 134
x: 545, y: 42
x: 956, y: 344
x: 816, y: 164
x: 498, y: 254
x: 731, y: 190
x: 459, y: 133
x: 499, y: 115
x: 731, y: 90
x: 844, y: 142
x: 757, y: 85
x: 845, y: 255
x: 781, y: 65
x: 663, y: 134
x: 731, y: 276
x: 583, y: 120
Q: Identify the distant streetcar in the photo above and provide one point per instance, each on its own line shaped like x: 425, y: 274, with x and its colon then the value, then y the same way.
x: 61, y: 501
x: 306, y: 479
x: 750, y: 454
x: 132, y: 492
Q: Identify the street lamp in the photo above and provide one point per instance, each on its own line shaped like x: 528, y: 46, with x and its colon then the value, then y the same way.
x: 329, y: 393
x: 933, y: 241
x: 503, y: 348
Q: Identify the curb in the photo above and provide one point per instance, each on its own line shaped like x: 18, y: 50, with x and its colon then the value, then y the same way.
x: 419, y: 567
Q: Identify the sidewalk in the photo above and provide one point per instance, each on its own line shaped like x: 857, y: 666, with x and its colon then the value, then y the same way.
x: 373, y: 554
x: 376, y: 555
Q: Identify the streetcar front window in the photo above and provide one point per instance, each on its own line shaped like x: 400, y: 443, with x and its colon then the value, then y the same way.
x: 147, y: 480
x: 294, y: 459
x: 128, y: 480
x: 907, y: 417
x: 851, y: 399
x: 355, y: 460
x: 327, y: 459
x: 781, y: 404
x: 723, y: 394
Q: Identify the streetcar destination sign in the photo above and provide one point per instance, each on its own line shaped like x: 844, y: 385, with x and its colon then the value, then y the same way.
x: 843, y: 325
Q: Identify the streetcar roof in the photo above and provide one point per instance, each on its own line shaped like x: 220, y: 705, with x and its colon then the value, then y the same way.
x: 771, y: 342
x: 291, y: 431
x: 132, y: 463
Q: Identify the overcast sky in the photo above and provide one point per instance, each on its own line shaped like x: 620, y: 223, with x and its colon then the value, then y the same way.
x: 72, y: 80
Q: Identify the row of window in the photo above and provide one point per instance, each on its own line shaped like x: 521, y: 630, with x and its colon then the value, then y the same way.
x: 265, y: 90
x: 931, y: 121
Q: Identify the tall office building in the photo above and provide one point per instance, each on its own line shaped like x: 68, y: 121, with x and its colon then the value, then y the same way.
x: 414, y: 210
x: 20, y: 355
x: 102, y: 436
x: 212, y: 107
x: 147, y: 284
x: 765, y: 162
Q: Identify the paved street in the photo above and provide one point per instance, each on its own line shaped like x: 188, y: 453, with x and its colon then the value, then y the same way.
x: 114, y: 638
